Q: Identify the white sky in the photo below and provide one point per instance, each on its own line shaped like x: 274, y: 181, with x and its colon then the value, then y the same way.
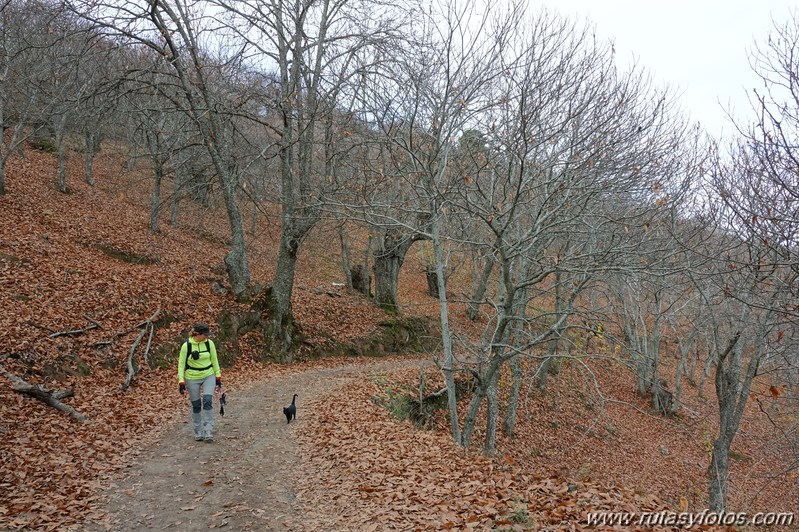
x: 697, y: 46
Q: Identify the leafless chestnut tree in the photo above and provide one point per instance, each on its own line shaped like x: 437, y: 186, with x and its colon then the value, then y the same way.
x: 755, y: 291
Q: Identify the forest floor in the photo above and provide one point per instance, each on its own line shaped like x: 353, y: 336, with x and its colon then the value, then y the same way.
x: 585, y: 443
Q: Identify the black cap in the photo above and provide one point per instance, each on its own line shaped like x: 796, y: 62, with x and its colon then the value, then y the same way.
x: 201, y: 328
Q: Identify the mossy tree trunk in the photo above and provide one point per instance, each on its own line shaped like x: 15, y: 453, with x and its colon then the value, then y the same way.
x: 284, y: 329
x: 389, y: 256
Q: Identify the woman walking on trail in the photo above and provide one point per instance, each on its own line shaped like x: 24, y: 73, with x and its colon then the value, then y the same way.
x: 198, y: 371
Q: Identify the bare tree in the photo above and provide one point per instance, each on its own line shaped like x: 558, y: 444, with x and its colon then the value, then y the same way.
x: 67, y: 50
x: 563, y: 134
x: 754, y: 293
x: 313, y: 45
x: 159, y: 129
x: 185, y: 37
x: 97, y: 108
x: 563, y: 152
x: 746, y: 298
x: 22, y: 26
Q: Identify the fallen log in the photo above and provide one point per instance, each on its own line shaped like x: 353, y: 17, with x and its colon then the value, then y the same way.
x: 44, y: 395
x: 148, y: 326
x: 63, y: 394
x: 131, y: 369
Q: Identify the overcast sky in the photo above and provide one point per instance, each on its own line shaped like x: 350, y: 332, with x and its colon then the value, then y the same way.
x: 698, y: 46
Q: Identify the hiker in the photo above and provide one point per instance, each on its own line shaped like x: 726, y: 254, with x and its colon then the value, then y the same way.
x: 198, y: 372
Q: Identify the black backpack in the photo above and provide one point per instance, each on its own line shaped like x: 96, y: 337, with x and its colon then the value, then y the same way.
x: 188, y: 354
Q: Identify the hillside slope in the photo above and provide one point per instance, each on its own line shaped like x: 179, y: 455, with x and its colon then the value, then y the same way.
x: 88, y: 259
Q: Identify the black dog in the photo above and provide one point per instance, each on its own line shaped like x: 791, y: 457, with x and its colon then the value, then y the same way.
x: 291, y: 411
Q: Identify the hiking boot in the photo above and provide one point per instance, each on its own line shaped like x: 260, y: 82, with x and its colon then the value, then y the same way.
x: 198, y: 438
x: 209, y: 439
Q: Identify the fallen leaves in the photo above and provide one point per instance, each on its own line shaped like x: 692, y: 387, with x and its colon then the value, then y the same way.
x: 411, y: 479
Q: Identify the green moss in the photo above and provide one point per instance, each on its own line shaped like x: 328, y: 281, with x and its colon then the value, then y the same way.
x: 231, y: 326
x: 42, y: 144
x: 124, y: 256
x: 741, y: 457
x: 162, y: 356
x: 7, y: 257
x: 65, y: 366
x: 519, y: 515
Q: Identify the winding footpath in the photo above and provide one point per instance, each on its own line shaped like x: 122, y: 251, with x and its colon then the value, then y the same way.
x: 241, y: 481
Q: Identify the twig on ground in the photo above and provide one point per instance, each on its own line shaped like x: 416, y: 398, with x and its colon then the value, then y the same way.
x: 72, y: 332
x: 99, y: 326
x: 75, y: 332
x: 42, y: 327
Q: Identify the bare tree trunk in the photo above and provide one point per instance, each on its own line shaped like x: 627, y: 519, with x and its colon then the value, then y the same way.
x: 718, y: 471
x: 690, y: 370
x: 480, y: 289
x: 432, y: 282
x: 675, y: 407
x: 515, y: 392
x: 482, y: 390
x: 711, y: 360
x: 546, y: 366
x: 284, y: 327
x: 238, y: 268
x: 446, y: 337
x: 492, y: 397
x: 727, y: 375
x: 155, y: 200
x: 345, y: 256
x: 60, y: 123
x: 361, y: 279
x: 653, y: 356
x: 516, y: 337
x: 91, y: 139
x: 732, y: 394
x: 543, y: 371
x: 389, y: 257
x: 470, y: 420
x: 176, y: 193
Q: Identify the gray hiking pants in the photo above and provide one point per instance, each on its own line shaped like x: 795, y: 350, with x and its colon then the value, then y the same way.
x: 202, y: 407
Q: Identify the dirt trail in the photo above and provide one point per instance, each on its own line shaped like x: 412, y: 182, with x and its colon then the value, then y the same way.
x: 241, y: 481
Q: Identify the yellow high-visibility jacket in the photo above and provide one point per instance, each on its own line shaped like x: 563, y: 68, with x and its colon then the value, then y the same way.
x: 205, y: 365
